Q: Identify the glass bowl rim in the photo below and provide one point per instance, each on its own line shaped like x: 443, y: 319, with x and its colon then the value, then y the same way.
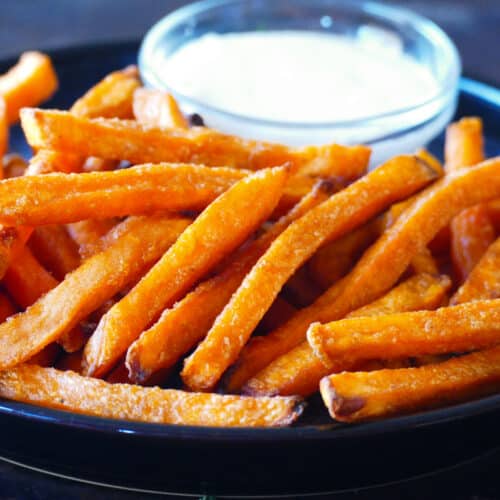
x: 429, y: 29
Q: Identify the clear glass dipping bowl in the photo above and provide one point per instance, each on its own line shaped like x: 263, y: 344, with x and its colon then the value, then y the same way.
x: 400, y: 131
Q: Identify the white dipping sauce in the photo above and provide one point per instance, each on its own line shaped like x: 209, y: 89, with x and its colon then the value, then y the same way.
x: 299, y: 76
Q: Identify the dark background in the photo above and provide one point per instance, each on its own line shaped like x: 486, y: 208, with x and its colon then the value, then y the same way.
x: 474, y: 25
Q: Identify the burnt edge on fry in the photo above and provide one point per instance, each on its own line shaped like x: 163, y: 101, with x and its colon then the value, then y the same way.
x: 295, y: 412
x: 337, y: 405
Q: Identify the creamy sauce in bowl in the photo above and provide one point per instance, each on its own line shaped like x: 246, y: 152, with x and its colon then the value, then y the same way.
x: 299, y: 76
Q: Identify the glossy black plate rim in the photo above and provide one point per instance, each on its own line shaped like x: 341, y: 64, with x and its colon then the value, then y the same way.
x: 333, y: 431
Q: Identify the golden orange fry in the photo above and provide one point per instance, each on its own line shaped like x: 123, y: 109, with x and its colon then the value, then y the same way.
x: 188, y: 321
x: 55, y: 250
x: 87, y: 288
x: 60, y: 198
x: 464, y: 144
x: 242, y: 208
x: 299, y: 371
x: 129, y: 140
x: 484, y: 280
x: 67, y: 390
x: 30, y: 82
x: 158, y: 109
x: 387, y: 259
x: 460, y: 328
x: 27, y: 280
x: 112, y: 97
x: 341, y: 213
x: 472, y: 232
x: 355, y: 397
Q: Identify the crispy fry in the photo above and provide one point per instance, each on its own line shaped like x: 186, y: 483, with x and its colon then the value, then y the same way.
x: 354, y: 397
x: 12, y: 239
x: 129, y: 140
x: 55, y: 250
x: 112, y: 97
x: 4, y: 129
x: 30, y: 82
x: 182, y: 326
x: 14, y: 165
x: 472, y: 232
x: 47, y: 162
x: 60, y: 198
x: 158, y: 109
x: 88, y: 287
x: 424, y: 262
x: 335, y: 259
x: 464, y: 144
x: 332, y: 219
x: 27, y: 280
x: 387, y: 259
x: 69, y: 391
x: 299, y: 371
x: 7, y: 308
x: 484, y: 280
x: 88, y: 234
x: 206, y: 242
x: 460, y: 328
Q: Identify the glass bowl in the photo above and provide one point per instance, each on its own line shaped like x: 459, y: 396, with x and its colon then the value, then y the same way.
x: 395, y: 132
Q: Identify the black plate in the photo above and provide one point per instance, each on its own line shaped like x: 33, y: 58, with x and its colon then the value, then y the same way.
x: 314, y: 456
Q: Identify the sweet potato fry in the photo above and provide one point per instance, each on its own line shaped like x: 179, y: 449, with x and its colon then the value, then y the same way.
x: 14, y: 165
x: 424, y: 262
x: 341, y: 213
x: 27, y: 280
x: 206, y: 242
x: 484, y: 280
x: 387, y: 259
x: 88, y: 234
x: 60, y: 198
x: 180, y: 328
x: 158, y: 109
x: 4, y: 129
x: 472, y: 232
x: 299, y: 371
x: 55, y: 250
x: 69, y: 391
x: 461, y: 328
x: 88, y: 287
x: 335, y: 259
x: 94, y: 164
x: 7, y: 308
x: 355, y: 397
x: 112, y: 97
x: 129, y: 140
x: 464, y: 144
x: 30, y: 82
x: 12, y: 239
x: 47, y: 162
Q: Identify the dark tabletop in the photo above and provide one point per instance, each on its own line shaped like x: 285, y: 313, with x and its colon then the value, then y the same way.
x: 474, y: 25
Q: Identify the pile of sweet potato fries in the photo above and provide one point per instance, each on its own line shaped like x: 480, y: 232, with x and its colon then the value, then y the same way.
x: 135, y: 248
